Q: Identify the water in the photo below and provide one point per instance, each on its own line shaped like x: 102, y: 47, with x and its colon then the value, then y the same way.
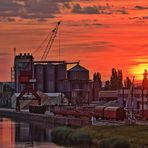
x: 16, y: 134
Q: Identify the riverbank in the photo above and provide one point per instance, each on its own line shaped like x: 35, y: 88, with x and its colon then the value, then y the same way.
x: 43, y: 118
x: 123, y: 136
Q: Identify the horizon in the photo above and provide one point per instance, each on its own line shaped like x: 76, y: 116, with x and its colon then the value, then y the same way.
x: 102, y: 35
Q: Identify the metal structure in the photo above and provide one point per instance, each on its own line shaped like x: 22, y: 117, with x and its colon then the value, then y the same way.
x: 23, y: 62
x: 39, y: 76
x: 26, y: 79
x: 80, y: 84
x: 49, y: 40
x: 50, y: 78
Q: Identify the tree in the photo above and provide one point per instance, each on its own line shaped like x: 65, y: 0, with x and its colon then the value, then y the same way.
x: 127, y: 82
x: 107, y: 85
x: 114, y: 79
x: 98, y: 79
x: 97, y: 84
x: 120, y: 79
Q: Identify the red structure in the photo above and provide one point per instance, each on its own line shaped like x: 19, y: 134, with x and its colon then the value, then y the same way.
x: 113, y: 113
x: 26, y: 79
x: 116, y: 113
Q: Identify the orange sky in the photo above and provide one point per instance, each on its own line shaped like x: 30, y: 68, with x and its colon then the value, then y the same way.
x: 100, y: 33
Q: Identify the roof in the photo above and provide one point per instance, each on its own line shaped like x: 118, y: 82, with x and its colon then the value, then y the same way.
x: 78, y: 68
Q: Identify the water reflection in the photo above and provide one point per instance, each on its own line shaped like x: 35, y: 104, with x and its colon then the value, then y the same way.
x: 18, y: 134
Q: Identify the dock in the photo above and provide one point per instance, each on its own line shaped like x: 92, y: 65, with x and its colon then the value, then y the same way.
x: 43, y: 118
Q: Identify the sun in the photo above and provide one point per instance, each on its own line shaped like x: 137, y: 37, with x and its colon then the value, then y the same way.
x: 138, y: 71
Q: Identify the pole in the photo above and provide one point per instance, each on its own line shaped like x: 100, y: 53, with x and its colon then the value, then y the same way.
x: 142, y: 103
x: 59, y: 44
x: 123, y: 105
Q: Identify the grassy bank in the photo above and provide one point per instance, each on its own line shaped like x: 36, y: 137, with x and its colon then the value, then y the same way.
x: 136, y: 135
x: 103, y: 136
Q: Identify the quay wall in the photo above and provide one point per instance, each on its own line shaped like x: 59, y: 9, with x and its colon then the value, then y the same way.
x: 43, y: 118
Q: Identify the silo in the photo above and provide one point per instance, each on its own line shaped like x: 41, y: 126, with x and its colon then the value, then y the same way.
x: 50, y: 78
x: 39, y: 76
x: 79, y: 78
x: 78, y: 73
x: 63, y: 86
x: 61, y: 70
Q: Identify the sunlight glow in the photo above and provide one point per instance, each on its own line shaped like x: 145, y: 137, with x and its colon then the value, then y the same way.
x: 138, y: 70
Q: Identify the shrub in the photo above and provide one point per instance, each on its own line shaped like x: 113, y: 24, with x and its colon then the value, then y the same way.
x: 114, y: 143
x: 79, y: 138
x: 60, y: 135
x: 67, y: 136
x: 120, y: 143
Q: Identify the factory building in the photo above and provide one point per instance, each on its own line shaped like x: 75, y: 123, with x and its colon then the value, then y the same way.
x: 1, y: 88
x: 80, y: 84
x: 54, y: 77
x: 22, y: 63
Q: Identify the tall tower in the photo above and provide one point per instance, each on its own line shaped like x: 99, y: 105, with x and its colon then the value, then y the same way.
x: 22, y: 63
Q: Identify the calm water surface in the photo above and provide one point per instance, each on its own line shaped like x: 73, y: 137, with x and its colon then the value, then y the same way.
x: 16, y: 134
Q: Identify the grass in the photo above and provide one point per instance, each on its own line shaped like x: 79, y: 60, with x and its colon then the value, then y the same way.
x: 103, y: 136
x: 136, y: 135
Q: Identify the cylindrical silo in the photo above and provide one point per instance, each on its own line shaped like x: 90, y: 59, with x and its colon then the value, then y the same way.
x: 50, y: 78
x: 61, y: 70
x: 39, y: 76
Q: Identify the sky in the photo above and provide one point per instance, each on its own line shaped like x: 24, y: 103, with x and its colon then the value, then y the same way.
x: 102, y: 34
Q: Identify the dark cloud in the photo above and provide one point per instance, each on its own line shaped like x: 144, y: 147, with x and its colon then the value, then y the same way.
x: 29, y: 9
x: 139, y: 18
x: 67, y: 5
x: 122, y: 11
x: 106, y: 9
x: 44, y: 9
x: 85, y: 10
x: 7, y: 19
x: 140, y: 7
x: 41, y: 20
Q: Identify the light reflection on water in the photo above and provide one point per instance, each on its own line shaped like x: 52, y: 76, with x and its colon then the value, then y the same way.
x: 24, y: 135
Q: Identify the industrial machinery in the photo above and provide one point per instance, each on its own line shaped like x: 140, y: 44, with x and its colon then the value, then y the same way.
x: 26, y: 75
x: 49, y: 40
x: 26, y: 79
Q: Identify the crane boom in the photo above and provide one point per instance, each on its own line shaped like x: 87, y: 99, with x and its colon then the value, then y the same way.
x: 50, y: 42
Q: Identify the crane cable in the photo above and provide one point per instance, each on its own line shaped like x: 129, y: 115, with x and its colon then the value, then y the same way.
x: 41, y: 45
x: 46, y: 49
x: 51, y: 41
x: 51, y: 44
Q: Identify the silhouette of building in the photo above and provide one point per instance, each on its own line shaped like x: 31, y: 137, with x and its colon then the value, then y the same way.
x: 23, y: 62
x: 53, y: 76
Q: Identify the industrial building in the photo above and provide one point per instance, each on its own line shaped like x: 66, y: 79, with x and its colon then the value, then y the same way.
x: 54, y: 77
x: 1, y: 87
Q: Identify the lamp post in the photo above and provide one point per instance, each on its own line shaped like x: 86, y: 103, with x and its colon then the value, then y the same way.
x: 144, y: 87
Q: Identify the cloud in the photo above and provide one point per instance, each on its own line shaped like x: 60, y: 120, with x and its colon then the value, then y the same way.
x: 85, y: 10
x: 94, y: 46
x: 7, y: 19
x: 106, y: 9
x: 29, y: 9
x: 140, y: 7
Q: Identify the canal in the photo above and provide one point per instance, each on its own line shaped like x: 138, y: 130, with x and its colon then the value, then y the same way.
x: 18, y: 134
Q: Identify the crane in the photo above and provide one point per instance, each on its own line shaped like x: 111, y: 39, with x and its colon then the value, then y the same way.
x: 50, y: 40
